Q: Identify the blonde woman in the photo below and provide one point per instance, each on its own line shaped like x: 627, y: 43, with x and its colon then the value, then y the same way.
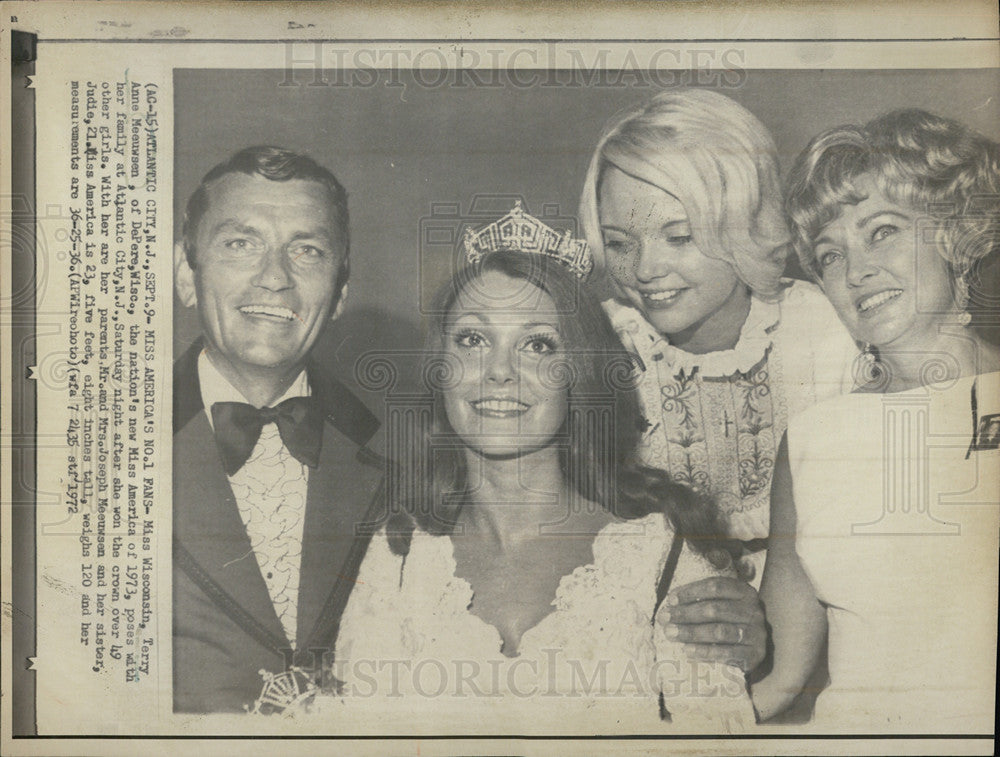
x: 682, y: 205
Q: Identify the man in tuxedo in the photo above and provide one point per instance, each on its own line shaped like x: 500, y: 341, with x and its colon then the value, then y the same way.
x: 273, y: 472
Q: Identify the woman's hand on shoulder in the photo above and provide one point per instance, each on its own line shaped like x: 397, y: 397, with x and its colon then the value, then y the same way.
x: 718, y: 619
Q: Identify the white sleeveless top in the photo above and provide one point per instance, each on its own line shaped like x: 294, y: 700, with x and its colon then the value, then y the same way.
x: 898, y: 524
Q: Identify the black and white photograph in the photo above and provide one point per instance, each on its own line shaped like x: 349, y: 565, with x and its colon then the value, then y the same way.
x: 740, y: 270
x: 410, y: 390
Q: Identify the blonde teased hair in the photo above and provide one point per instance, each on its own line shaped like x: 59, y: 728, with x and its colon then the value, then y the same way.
x: 719, y: 161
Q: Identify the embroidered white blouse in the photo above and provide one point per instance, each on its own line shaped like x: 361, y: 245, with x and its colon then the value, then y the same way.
x: 408, y: 631
x: 714, y: 420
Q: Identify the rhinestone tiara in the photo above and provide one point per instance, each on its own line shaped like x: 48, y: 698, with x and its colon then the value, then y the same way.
x: 519, y: 231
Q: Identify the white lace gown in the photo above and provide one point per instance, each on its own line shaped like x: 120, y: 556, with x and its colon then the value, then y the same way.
x: 407, y: 635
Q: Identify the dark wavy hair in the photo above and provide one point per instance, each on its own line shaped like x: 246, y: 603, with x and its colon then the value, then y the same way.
x: 274, y: 164
x: 428, y: 484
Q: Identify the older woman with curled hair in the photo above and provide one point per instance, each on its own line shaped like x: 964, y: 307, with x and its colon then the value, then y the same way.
x: 887, y: 497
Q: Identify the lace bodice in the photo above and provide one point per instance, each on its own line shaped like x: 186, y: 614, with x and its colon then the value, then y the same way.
x: 408, y: 630
x: 714, y: 420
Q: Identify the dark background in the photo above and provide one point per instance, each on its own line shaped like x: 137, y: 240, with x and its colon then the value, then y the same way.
x: 401, y: 149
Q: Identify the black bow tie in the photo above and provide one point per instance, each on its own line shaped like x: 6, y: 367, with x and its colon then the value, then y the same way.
x: 238, y: 425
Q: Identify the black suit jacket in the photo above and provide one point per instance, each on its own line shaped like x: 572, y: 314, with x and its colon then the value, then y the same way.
x: 225, y: 628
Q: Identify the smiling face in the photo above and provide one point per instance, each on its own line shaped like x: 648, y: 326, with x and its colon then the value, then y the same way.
x: 889, y: 286
x: 504, y: 333
x: 697, y: 301
x: 267, y: 257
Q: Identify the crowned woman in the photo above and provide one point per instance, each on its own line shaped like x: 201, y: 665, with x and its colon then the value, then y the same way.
x: 529, y: 548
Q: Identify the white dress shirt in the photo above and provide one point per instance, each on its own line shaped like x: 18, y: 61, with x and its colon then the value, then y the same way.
x: 270, y: 491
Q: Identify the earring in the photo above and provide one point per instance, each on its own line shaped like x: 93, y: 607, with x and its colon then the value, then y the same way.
x: 869, y: 357
x: 962, y: 298
x: 868, y: 370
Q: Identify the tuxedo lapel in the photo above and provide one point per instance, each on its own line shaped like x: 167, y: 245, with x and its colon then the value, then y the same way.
x: 207, y: 522
x: 341, y: 492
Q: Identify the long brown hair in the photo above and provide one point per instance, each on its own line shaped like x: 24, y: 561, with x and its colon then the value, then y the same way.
x: 428, y: 484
